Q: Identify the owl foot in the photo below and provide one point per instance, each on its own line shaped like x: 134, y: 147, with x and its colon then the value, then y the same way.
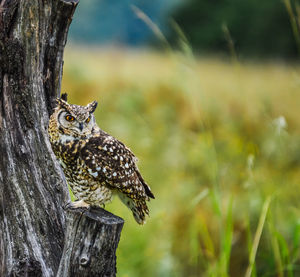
x: 77, y: 205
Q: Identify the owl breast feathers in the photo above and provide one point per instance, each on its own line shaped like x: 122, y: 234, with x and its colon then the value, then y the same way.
x: 96, y: 165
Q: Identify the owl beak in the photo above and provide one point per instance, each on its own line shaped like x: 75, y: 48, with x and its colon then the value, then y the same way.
x: 80, y: 126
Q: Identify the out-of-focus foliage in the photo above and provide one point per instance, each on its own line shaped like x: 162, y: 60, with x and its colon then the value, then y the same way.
x: 216, y: 142
x: 106, y: 21
x: 258, y: 28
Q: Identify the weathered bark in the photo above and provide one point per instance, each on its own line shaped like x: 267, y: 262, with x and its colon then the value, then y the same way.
x: 32, y: 186
x: 91, y: 242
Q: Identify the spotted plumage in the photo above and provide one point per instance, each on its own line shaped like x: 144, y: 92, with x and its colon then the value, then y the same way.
x: 96, y: 165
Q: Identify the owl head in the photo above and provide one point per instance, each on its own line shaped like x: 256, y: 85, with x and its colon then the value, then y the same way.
x: 75, y: 120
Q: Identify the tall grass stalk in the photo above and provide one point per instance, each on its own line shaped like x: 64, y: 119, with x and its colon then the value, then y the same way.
x: 285, y: 254
x: 183, y: 42
x: 296, y: 244
x: 155, y: 29
x: 230, y: 42
x: 250, y: 242
x: 294, y: 21
x: 227, y: 240
x: 276, y: 250
x: 257, y: 236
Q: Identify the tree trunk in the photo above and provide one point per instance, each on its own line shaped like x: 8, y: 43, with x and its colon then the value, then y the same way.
x: 90, y: 244
x: 32, y: 186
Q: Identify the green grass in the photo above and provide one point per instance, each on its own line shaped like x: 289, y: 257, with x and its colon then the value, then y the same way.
x: 216, y: 142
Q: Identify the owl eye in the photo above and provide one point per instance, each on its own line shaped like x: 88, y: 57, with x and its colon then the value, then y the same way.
x: 88, y: 119
x: 69, y: 118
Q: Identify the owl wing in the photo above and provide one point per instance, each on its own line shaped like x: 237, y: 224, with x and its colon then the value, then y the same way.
x: 111, y: 163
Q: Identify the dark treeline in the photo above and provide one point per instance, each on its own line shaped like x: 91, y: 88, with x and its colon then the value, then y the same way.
x: 257, y: 28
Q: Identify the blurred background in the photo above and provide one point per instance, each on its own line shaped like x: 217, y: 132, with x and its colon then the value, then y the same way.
x: 207, y: 95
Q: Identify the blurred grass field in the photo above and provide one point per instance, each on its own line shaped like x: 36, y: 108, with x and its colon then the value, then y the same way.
x: 219, y: 144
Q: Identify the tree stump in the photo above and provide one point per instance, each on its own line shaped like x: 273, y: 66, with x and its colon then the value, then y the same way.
x: 91, y: 241
x: 35, y: 239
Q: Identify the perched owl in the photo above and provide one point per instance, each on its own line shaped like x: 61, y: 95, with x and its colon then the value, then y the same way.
x: 96, y: 165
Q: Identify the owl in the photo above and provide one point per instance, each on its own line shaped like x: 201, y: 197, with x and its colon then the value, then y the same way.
x: 97, y: 166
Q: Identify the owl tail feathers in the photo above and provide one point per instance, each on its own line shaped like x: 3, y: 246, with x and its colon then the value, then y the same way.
x: 140, y: 211
x: 138, y: 207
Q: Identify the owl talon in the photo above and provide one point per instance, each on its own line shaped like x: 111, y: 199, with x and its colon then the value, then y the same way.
x: 77, y: 205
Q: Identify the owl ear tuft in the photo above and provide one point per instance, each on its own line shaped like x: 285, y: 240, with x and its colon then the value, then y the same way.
x: 92, y: 106
x: 64, y: 97
x: 62, y: 102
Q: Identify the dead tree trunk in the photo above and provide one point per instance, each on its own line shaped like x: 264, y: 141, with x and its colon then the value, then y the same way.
x: 33, y: 236
x: 90, y: 244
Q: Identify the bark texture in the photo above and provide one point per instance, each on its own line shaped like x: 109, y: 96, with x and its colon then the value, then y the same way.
x: 91, y: 241
x: 32, y: 186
